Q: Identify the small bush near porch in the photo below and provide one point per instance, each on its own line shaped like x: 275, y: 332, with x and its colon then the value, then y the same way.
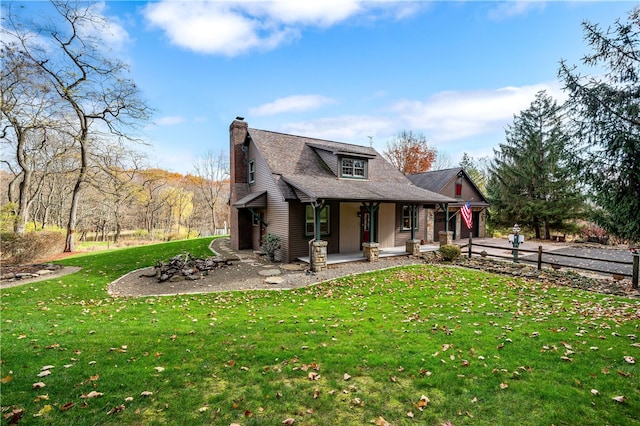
x: 412, y: 345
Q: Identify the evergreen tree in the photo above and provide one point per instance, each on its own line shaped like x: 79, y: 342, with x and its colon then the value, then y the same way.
x: 531, y: 180
x: 476, y: 169
x: 606, y: 112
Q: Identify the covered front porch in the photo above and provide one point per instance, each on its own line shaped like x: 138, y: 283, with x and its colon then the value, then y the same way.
x: 337, y: 258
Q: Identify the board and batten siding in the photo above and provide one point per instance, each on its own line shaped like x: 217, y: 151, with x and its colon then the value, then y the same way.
x: 402, y: 236
x: 350, y: 227
x: 386, y: 225
x: 299, y: 242
x: 276, y: 214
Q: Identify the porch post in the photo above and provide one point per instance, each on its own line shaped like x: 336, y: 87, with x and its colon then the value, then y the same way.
x: 318, y: 249
x: 446, y: 217
x: 371, y: 250
x: 316, y: 219
x: 413, y: 209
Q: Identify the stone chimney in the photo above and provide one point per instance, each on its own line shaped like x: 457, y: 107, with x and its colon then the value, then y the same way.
x: 238, y: 174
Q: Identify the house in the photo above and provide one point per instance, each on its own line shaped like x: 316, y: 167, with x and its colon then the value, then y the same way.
x: 318, y: 194
x: 456, y: 183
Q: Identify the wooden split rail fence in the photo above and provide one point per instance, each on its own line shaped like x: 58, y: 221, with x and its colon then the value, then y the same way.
x: 540, y: 260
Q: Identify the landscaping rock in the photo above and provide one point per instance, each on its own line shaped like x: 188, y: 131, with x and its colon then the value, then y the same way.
x: 270, y: 272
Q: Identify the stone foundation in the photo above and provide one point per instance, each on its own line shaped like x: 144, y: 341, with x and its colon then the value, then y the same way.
x: 371, y: 251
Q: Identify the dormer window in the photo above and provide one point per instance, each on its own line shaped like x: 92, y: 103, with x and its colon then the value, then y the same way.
x: 354, y: 168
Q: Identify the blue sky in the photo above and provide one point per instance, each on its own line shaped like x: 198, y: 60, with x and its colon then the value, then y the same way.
x: 455, y: 71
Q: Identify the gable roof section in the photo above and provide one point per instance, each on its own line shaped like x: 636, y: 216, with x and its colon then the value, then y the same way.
x: 305, y: 169
x: 436, y: 180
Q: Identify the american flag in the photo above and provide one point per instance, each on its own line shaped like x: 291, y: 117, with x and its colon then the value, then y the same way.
x: 465, y: 212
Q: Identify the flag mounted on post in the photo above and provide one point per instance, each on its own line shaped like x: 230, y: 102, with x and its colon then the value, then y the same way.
x: 465, y: 212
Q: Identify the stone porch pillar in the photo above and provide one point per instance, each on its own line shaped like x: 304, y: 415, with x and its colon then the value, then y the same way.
x: 318, y: 261
x: 446, y: 237
x: 413, y: 247
x: 371, y: 251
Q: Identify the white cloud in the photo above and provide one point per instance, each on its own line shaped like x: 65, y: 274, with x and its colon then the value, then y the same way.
x: 294, y: 103
x: 169, y: 120
x: 509, y: 9
x: 449, y: 116
x: 321, y: 13
x: 350, y: 128
x: 235, y: 27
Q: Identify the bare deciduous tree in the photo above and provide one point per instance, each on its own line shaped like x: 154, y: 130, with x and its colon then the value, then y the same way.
x: 212, y: 172
x: 98, y: 97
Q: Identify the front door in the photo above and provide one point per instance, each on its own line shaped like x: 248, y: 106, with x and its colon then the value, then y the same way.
x: 366, y: 233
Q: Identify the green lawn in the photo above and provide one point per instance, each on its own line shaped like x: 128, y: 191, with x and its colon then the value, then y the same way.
x: 413, y: 345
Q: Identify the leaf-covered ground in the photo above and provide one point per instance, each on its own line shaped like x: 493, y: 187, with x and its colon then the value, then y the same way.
x: 412, y: 345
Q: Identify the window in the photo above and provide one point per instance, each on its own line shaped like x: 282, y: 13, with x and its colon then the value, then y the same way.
x: 459, y: 185
x: 252, y: 171
x: 353, y: 168
x: 255, y: 218
x: 324, y: 221
x: 406, y: 218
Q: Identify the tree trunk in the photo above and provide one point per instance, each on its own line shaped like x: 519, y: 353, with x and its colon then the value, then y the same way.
x: 70, y: 244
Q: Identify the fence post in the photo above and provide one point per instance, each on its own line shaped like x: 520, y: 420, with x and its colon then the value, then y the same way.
x: 634, y: 277
x: 539, y: 258
x: 470, y: 244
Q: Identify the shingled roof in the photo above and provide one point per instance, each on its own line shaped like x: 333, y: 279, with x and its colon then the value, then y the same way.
x: 435, y: 180
x: 306, y: 169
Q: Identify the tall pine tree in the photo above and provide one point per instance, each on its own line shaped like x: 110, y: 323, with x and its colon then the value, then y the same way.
x: 606, y: 111
x: 531, y: 182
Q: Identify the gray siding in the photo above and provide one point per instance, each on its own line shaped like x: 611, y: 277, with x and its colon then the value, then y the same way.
x: 277, y: 212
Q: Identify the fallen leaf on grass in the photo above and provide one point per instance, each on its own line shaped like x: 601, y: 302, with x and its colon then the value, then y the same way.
x: 41, y: 398
x: 380, y: 421
x: 620, y: 399
x: 289, y: 421
x: 6, y: 379
x: 116, y: 409
x: 313, y: 376
x: 65, y: 407
x: 44, y: 410
x: 38, y: 385
x: 92, y: 394
x: 422, y: 404
x: 14, y: 416
x: 630, y: 359
x: 146, y: 393
x: 346, y: 376
x: 159, y: 369
x: 44, y: 373
x: 595, y: 392
x: 503, y: 385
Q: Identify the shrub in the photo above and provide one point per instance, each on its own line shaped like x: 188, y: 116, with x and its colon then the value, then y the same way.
x: 594, y: 234
x: 270, y: 245
x: 450, y: 252
x: 7, y: 217
x: 30, y: 247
